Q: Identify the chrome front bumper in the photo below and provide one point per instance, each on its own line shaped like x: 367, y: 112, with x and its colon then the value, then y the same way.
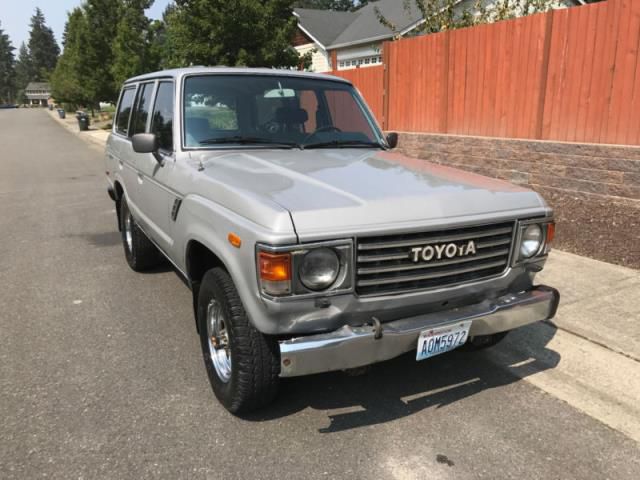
x: 351, y: 347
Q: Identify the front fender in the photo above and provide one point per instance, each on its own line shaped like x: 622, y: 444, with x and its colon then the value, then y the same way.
x: 209, y: 223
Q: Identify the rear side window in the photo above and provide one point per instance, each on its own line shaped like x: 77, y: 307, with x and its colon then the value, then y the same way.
x: 162, y: 117
x: 124, y: 111
x: 143, y: 107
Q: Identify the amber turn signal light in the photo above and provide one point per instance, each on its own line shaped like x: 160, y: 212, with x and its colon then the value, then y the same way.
x: 275, y: 267
x: 234, y: 240
x: 551, y: 232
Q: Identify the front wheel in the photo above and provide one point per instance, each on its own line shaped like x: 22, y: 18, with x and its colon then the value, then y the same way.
x: 242, y: 364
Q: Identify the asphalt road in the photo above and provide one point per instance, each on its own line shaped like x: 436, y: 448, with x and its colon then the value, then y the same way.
x: 101, y: 373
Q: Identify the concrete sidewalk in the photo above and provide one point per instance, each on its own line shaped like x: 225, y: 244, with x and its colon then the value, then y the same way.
x: 599, y: 301
x: 97, y: 137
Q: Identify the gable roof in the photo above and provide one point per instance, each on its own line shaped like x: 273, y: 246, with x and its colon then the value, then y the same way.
x: 38, y: 86
x: 335, y: 29
x: 332, y: 29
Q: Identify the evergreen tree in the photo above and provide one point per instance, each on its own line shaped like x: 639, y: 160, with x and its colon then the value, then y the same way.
x: 43, y: 49
x: 132, y: 45
x: 232, y: 32
x: 23, y: 72
x: 102, y: 17
x: 7, y: 68
x: 67, y: 80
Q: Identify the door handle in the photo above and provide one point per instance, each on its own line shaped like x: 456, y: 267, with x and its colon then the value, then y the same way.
x: 140, y: 178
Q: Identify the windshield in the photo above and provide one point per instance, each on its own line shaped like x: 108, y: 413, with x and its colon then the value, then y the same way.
x: 275, y: 111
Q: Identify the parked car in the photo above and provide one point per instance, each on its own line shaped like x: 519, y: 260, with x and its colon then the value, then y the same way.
x: 309, y: 245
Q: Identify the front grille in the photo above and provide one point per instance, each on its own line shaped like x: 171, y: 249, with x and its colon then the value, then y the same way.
x: 384, y: 264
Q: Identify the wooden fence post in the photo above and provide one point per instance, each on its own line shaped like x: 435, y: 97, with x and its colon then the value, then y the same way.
x: 386, y: 57
x: 444, y: 116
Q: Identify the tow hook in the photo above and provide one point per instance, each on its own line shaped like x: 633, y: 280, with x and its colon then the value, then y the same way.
x: 377, y: 328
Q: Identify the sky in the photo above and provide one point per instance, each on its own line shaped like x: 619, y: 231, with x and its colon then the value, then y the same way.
x: 16, y: 14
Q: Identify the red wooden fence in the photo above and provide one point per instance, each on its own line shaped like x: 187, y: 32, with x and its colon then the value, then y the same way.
x: 369, y: 81
x: 568, y: 75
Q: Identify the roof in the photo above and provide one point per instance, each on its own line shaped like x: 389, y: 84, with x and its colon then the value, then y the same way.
x: 38, y: 86
x: 176, y: 73
x: 324, y: 25
x: 333, y: 29
x: 336, y: 29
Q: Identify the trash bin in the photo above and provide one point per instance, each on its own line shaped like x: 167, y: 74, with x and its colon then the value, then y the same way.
x: 83, y: 121
x: 61, y: 113
x: 51, y: 106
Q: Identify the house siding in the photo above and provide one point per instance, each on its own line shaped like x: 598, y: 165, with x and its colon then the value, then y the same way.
x: 320, y: 61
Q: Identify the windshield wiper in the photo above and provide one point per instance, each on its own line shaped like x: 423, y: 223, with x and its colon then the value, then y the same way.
x: 343, y: 143
x: 241, y: 140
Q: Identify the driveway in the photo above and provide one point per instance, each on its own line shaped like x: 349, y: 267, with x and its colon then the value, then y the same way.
x: 101, y: 373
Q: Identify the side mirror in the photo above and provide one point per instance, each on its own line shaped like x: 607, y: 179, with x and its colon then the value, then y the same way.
x: 392, y: 140
x: 146, y: 143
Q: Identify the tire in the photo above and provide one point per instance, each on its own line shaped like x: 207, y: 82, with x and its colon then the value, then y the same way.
x: 244, y: 369
x: 140, y: 253
x: 480, y: 342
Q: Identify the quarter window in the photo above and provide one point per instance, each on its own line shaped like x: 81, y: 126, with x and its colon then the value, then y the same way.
x: 124, y: 111
x: 162, y: 118
x: 143, y: 106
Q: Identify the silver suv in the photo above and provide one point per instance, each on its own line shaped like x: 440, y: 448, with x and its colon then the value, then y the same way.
x: 308, y: 244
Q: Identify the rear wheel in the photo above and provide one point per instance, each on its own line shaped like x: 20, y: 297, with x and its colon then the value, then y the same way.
x: 242, y: 364
x: 480, y: 342
x: 140, y: 253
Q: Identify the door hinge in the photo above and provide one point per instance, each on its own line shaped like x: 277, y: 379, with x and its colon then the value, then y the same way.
x: 176, y: 207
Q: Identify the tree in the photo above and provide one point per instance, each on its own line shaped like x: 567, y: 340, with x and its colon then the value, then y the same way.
x: 102, y: 18
x: 7, y: 68
x: 339, y: 5
x: 132, y: 46
x: 67, y: 80
x: 23, y: 72
x: 43, y: 49
x: 242, y: 32
x: 441, y: 15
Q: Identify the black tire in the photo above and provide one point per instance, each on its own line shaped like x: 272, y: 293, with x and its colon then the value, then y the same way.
x: 140, y: 253
x: 255, y: 358
x: 480, y: 342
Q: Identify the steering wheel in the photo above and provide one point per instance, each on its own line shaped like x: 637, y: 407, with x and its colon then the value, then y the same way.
x: 326, y: 128
x: 270, y: 126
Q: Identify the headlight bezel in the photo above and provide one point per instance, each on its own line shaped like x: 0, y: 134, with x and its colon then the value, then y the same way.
x: 344, y: 282
x: 545, y: 245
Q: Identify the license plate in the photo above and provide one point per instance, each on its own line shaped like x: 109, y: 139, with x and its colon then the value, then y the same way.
x: 442, y: 339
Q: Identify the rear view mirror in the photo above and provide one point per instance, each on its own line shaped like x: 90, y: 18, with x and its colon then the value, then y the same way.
x: 146, y: 143
x: 392, y: 140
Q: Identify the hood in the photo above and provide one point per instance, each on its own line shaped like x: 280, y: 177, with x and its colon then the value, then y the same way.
x: 330, y: 192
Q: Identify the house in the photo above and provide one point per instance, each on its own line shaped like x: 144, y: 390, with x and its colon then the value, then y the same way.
x: 38, y: 93
x: 344, y: 40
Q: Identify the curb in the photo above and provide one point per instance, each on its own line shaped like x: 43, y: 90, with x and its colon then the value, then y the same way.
x: 95, y: 137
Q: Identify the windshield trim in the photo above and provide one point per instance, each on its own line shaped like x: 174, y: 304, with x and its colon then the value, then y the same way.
x: 377, y: 131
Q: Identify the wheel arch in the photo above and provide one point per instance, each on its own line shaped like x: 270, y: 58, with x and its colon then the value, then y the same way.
x: 200, y: 258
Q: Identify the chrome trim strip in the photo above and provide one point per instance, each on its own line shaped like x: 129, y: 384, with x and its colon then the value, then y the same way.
x: 413, y: 266
x: 428, y: 276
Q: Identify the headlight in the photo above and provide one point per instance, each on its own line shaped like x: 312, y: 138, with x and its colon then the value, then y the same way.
x: 319, y: 268
x: 531, y: 241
